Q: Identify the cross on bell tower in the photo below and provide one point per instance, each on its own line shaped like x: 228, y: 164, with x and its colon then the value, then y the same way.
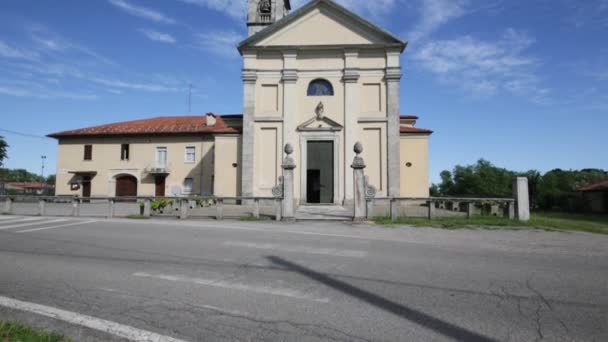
x: 263, y: 13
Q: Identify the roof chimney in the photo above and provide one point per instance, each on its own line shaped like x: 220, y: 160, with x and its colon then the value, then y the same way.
x: 210, y: 119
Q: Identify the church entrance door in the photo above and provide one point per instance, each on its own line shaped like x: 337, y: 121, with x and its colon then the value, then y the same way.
x: 320, y: 172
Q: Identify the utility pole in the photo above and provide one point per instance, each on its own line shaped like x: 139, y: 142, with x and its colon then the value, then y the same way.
x: 190, y: 98
x: 43, y: 158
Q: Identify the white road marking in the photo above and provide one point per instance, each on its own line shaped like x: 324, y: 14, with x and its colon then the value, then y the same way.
x: 113, y: 328
x: 55, y: 227
x: 30, y: 222
x: 283, y: 292
x: 299, y: 249
x: 2, y: 218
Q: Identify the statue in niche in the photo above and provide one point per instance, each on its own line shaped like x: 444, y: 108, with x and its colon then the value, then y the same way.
x: 265, y: 6
x: 320, y: 111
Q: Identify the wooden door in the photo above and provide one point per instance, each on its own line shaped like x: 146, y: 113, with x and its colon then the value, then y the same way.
x: 160, y: 186
x: 86, y: 189
x: 126, y: 186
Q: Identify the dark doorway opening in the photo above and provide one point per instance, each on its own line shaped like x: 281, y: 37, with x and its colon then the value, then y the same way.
x: 320, y: 172
x: 160, y: 186
x: 126, y: 186
x: 86, y: 187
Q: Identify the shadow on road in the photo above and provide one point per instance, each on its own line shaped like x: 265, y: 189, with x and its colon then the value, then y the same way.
x: 442, y: 327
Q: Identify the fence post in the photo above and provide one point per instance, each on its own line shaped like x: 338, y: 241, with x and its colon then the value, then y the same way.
x: 470, y: 208
x: 277, y: 209
x: 110, y: 208
x: 288, y: 197
x: 521, y: 195
x: 256, y: 208
x: 431, y: 214
x: 75, y: 207
x: 183, y: 209
x: 370, y: 209
x: 358, y: 167
x: 147, y: 207
x: 42, y: 207
x: 8, y: 206
x: 220, y: 209
x: 393, y: 209
x: 511, y: 209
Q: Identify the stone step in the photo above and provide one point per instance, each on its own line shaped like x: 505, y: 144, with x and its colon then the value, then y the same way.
x: 324, y: 213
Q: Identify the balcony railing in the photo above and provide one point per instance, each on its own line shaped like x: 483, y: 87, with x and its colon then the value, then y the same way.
x: 158, y: 169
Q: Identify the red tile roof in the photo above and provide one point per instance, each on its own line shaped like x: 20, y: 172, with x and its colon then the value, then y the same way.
x: 160, y: 125
x: 414, y: 130
x: 594, y: 187
x: 27, y: 185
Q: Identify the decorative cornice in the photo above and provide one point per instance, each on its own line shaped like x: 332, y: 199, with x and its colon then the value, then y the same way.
x: 393, y: 74
x: 290, y: 76
x: 249, y: 76
x: 351, y: 75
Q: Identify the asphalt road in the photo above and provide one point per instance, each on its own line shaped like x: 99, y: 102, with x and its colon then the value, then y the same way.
x: 264, y: 281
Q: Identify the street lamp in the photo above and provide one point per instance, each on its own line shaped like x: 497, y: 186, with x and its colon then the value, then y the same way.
x: 43, y: 158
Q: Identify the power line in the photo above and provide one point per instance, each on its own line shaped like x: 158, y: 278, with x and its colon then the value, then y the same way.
x: 28, y: 135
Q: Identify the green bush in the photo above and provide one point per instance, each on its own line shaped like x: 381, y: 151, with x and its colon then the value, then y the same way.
x: 160, y: 204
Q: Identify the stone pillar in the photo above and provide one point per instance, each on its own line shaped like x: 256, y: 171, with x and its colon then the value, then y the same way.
x: 290, y: 103
x: 219, y: 206
x: 249, y: 82
x: 147, y: 207
x: 256, y: 208
x: 42, y: 207
x: 184, y: 205
x: 351, y: 113
x: 111, y: 203
x: 75, y: 207
x: 470, y: 210
x: 359, y: 192
x: 431, y: 213
x: 8, y: 206
x: 393, y: 79
x: 288, y: 166
x: 522, y: 198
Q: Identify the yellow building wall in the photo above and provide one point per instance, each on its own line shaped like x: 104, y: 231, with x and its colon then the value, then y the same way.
x: 227, y: 166
x: 414, y: 149
x: 108, y: 164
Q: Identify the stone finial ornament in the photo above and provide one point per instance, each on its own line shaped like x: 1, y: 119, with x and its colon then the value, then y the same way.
x: 288, y: 162
x: 320, y: 111
x: 358, y: 148
x: 358, y: 162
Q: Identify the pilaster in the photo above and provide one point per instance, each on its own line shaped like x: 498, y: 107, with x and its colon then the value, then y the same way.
x: 393, y: 82
x: 290, y: 98
x: 351, y: 113
x: 249, y: 81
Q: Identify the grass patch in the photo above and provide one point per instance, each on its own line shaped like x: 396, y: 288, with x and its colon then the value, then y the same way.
x: 251, y: 219
x: 553, y: 221
x: 137, y: 217
x: 16, y: 332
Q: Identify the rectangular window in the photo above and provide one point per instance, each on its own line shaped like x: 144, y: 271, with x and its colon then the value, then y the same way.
x: 188, y: 185
x: 161, y: 157
x: 190, y: 154
x: 88, y: 152
x: 124, y: 152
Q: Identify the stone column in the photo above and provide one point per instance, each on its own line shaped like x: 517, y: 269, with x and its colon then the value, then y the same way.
x: 8, y: 206
x: 110, y: 208
x: 290, y: 102
x: 184, y: 205
x: 522, y: 198
x: 393, y: 79
x: 42, y: 207
x: 147, y: 207
x: 75, y: 207
x: 288, y: 184
x: 351, y: 113
x: 249, y: 81
x: 359, y: 192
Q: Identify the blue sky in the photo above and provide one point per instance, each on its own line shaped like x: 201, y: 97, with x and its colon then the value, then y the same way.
x: 521, y: 83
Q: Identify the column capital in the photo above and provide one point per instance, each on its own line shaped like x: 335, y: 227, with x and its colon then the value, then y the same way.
x: 290, y: 75
x: 393, y: 74
x: 249, y: 76
x: 351, y: 75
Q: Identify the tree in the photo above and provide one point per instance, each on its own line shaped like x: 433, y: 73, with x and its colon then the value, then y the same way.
x: 481, y: 179
x: 51, y: 179
x: 3, y: 150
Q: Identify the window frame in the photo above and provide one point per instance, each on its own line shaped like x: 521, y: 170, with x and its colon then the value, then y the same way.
x: 88, y: 152
x: 187, y: 154
x: 191, y: 188
x: 125, y: 148
x: 158, y: 149
x: 320, y: 81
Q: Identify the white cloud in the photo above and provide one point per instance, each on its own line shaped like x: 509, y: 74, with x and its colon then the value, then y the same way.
x: 221, y: 43
x: 484, y: 67
x: 434, y: 14
x: 43, y: 93
x: 158, y: 36
x: 120, y: 84
x: 12, y: 52
x: 142, y: 12
x: 233, y: 8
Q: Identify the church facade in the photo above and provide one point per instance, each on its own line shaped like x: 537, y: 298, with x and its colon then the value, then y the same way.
x: 320, y: 79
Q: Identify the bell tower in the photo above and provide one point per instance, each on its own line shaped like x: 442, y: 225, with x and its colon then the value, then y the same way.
x: 263, y: 13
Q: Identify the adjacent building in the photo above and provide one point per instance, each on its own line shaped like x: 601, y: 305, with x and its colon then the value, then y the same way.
x: 320, y: 78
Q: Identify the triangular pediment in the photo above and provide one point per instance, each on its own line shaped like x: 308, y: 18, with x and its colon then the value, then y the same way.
x: 322, y: 23
x: 320, y: 122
